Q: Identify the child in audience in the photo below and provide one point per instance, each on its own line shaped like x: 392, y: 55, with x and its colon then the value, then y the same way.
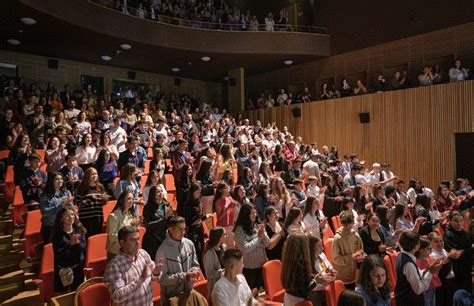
x: 423, y: 259
x: 373, y: 282
x: 411, y: 282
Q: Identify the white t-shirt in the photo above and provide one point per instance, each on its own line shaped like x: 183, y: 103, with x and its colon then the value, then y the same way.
x: 227, y: 294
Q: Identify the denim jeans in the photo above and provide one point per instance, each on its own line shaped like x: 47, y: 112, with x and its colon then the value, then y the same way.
x: 430, y: 297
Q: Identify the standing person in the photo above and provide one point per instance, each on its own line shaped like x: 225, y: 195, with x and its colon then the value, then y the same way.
x: 157, y: 210
x: 373, y: 282
x: 123, y: 214
x: 347, y: 250
x: 128, y: 276
x: 72, y: 173
x: 54, y: 197
x: 69, y: 246
x: 423, y: 259
x: 208, y: 182
x: 296, y: 272
x: 90, y: 198
x: 128, y: 181
x: 55, y: 155
x: 322, y: 265
x: 183, y: 185
x: 193, y: 215
x: 86, y: 152
x: 178, y: 277
x: 275, y: 232
x: 107, y: 169
x: 411, y: 282
x: 33, y: 182
x: 251, y: 239
x: 213, y: 263
x: 372, y: 237
x: 456, y: 238
x: 232, y: 288
x: 225, y: 207
x: 458, y: 73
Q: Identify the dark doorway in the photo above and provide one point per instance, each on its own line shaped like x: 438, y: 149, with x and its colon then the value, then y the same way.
x: 465, y: 155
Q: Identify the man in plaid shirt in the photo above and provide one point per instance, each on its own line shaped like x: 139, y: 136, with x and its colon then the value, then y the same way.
x: 128, y: 276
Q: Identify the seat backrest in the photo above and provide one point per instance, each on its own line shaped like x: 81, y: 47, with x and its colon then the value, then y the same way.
x: 336, y: 222
x: 33, y: 222
x: 304, y: 303
x: 107, y: 209
x: 391, y: 274
x: 328, y: 248
x: 156, y: 291
x: 271, y: 277
x: 142, y: 231
x: 96, y: 254
x: 169, y: 183
x: 93, y: 292
x: 338, y: 290
x: 47, y: 259
x: 329, y: 294
x: 328, y: 233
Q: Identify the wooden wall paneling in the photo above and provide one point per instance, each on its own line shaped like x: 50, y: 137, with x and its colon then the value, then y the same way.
x: 412, y: 129
x: 326, y: 68
x: 283, y: 78
x: 464, y: 44
x: 375, y: 65
x: 417, y: 58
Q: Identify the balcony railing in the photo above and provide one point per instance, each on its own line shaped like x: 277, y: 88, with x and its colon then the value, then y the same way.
x: 195, y: 24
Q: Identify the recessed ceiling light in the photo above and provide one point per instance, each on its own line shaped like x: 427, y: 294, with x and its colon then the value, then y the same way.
x: 105, y: 58
x: 205, y: 58
x: 226, y: 78
x: 28, y: 20
x: 288, y: 62
x: 14, y: 42
x: 175, y: 69
x: 125, y: 46
x: 21, y: 31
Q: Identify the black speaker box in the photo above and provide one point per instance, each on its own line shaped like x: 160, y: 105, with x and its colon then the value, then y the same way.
x: 177, y: 82
x: 131, y: 75
x: 296, y: 112
x: 53, y: 64
x: 364, y: 117
x: 232, y: 82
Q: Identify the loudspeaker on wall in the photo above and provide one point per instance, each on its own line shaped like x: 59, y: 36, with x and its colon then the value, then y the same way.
x: 177, y: 82
x: 364, y: 117
x: 296, y: 112
x: 53, y: 64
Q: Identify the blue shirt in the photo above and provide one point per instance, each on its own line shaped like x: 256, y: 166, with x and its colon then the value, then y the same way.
x: 370, y: 301
x: 50, y: 205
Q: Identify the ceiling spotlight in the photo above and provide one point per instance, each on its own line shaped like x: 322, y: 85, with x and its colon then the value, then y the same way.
x: 205, y: 58
x: 105, y: 58
x: 28, y: 20
x: 21, y: 31
x: 118, y: 51
x: 288, y: 62
x: 14, y: 42
x: 126, y: 46
x: 226, y: 78
x: 175, y: 69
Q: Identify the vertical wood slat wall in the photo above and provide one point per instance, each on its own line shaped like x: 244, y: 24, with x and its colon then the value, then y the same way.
x: 412, y: 129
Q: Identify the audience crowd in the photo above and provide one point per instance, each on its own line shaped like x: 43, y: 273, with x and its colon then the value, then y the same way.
x: 430, y: 75
x: 219, y: 15
x: 272, y: 196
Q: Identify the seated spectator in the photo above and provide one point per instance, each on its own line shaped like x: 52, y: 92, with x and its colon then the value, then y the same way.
x: 422, y: 209
x: 437, y: 75
x: 373, y: 282
x: 320, y: 264
x: 395, y: 83
x: 128, y: 276
x: 124, y: 214
x: 33, y: 182
x: 405, y: 80
x: 251, y: 239
x: 298, y: 193
x: 345, y: 89
x: 232, y: 287
x: 54, y: 197
x: 426, y: 77
x: 71, y: 112
x: 349, y: 297
x: 326, y: 92
x: 177, y: 279
x: 458, y: 73
x: 372, y: 238
x: 156, y: 212
x: 213, y: 256
x: 297, y: 275
x: 360, y: 88
x: 380, y: 85
x: 69, y: 246
x: 90, y: 198
x: 107, y: 169
x: 347, y: 250
x: 411, y: 282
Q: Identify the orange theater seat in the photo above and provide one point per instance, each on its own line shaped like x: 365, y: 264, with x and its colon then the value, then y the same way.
x: 328, y: 248
x: 328, y: 234
x: 96, y: 255
x: 19, y: 207
x: 271, y: 278
x: 336, y: 222
x: 172, y: 200
x: 9, y: 183
x: 46, y: 273
x: 169, y: 183
x: 304, y: 303
x: 107, y: 210
x: 92, y: 293
x: 142, y: 232
x: 143, y: 180
x: 147, y: 167
x: 32, y: 233
x: 333, y: 291
x: 4, y: 154
x: 156, y: 292
x: 149, y: 153
x: 390, y: 271
x: 42, y: 154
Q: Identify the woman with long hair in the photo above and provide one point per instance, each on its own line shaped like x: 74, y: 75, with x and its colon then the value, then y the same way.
x: 124, y: 213
x: 373, y: 282
x: 194, y: 217
x: 228, y: 178
x: 55, y: 155
x: 333, y: 198
x: 297, y: 275
x: 275, y: 232
x: 61, y: 120
x: 372, y: 237
x: 128, y: 181
x: 156, y: 212
x: 212, y: 259
x: 153, y: 180
x: 401, y: 221
x: 86, y: 152
x: 251, y: 239
x: 248, y: 182
x: 107, y: 169
x: 90, y: 198
x: 158, y: 163
x: 208, y: 182
x: 313, y: 217
x: 385, y: 227
x: 84, y: 125
x: 264, y: 173
x: 225, y: 160
x: 69, y: 246
x: 240, y: 197
x: 54, y: 197
x: 105, y: 143
x: 183, y: 183
x: 225, y: 208
x: 320, y: 264
x: 294, y: 221
x: 18, y: 156
x: 281, y: 196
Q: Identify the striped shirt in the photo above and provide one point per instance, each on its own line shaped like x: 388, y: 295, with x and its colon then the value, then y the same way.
x: 90, y: 203
x: 252, y: 247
